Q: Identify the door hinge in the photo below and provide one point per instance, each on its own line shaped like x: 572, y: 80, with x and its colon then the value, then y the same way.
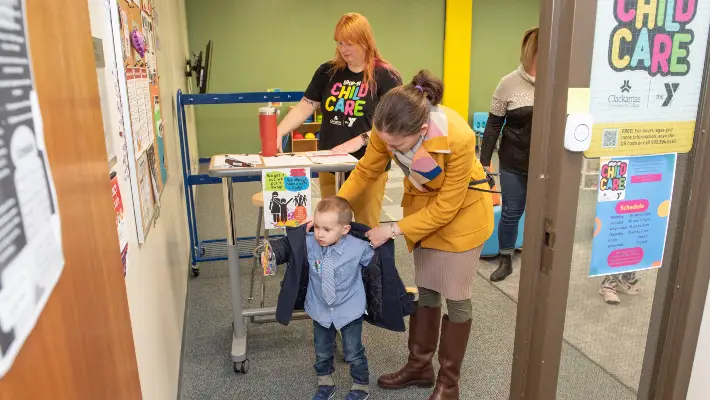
x: 548, y: 247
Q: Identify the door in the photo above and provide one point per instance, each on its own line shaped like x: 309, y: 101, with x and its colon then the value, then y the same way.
x: 82, y: 345
x: 621, y: 336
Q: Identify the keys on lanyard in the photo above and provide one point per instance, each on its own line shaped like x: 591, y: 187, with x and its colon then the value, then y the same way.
x: 267, y: 258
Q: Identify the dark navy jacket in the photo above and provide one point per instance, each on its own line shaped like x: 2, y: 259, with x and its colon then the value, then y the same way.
x: 387, y: 300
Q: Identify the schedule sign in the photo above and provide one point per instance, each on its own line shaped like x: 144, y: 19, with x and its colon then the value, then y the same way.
x: 633, y: 206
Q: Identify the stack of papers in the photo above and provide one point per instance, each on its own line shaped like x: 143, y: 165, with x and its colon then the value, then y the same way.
x: 323, y: 153
x: 286, y: 160
x: 325, y: 157
x: 333, y: 159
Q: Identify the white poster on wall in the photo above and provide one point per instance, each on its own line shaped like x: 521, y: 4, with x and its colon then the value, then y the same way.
x: 31, y: 257
x: 127, y: 91
x: 647, y: 71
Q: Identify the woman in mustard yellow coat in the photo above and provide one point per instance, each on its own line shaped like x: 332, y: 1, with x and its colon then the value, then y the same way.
x: 446, y: 221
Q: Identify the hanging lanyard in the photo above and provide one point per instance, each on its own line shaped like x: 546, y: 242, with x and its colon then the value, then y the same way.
x: 267, y: 258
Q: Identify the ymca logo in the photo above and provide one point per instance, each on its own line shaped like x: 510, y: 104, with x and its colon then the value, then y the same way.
x: 671, y: 88
x: 351, y: 121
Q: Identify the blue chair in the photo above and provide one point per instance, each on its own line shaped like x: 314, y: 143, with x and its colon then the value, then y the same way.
x: 491, y: 248
x: 479, y: 126
x: 479, y: 122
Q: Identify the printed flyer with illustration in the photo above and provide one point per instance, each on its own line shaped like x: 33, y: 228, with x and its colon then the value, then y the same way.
x: 120, y: 221
x: 287, y: 196
x: 632, y: 213
x: 31, y: 253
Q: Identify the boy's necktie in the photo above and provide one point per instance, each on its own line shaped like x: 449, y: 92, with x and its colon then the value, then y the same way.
x: 328, y: 277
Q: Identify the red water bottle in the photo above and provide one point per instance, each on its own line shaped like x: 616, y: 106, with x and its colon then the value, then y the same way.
x: 267, y: 131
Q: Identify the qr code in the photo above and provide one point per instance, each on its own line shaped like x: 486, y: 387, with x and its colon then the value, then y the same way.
x: 610, y: 138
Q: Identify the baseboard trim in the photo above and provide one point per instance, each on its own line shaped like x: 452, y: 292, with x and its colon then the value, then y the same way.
x: 184, y: 332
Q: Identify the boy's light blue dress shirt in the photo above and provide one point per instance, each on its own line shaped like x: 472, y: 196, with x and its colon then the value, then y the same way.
x: 351, y: 255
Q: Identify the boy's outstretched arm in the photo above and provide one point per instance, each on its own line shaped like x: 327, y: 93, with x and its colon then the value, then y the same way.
x: 281, y: 249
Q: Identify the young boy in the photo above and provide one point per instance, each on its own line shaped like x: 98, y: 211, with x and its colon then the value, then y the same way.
x: 336, y: 295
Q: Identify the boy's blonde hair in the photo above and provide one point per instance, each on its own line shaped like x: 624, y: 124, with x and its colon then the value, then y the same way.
x: 528, y: 50
x: 338, y: 205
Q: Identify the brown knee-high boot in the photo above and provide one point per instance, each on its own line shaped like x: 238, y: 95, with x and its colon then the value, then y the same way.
x: 452, y: 349
x: 424, y: 326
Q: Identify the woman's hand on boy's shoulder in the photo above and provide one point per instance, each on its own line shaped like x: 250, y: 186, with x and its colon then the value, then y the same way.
x: 378, y: 236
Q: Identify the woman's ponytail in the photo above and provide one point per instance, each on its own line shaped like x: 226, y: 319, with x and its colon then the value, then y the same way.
x: 405, y: 109
x: 430, y: 85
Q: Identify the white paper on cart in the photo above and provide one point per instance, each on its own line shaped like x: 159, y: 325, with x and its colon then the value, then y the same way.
x: 334, y: 159
x: 31, y: 258
x: 286, y: 160
x: 322, y: 153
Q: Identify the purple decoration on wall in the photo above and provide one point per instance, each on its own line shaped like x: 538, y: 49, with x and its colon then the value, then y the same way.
x: 138, y: 42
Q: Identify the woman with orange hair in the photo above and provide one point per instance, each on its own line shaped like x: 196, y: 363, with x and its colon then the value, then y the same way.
x: 347, y: 89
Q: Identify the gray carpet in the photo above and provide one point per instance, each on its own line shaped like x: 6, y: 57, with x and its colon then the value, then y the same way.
x: 281, y: 357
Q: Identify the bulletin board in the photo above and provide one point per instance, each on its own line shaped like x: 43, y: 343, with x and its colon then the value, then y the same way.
x: 144, y: 108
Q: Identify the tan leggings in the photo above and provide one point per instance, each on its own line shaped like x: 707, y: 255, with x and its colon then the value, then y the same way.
x: 368, y: 208
x: 459, y: 310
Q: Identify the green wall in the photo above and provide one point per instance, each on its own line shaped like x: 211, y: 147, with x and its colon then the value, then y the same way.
x: 280, y: 43
x: 496, y: 35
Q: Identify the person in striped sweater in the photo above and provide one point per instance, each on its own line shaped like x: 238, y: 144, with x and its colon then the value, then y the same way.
x: 511, y: 117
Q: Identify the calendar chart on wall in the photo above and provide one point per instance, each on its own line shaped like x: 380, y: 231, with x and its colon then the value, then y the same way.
x: 142, y: 97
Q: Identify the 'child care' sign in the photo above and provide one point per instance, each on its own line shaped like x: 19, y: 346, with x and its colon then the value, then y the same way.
x: 647, y: 69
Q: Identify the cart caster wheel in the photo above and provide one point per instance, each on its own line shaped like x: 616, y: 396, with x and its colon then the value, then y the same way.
x: 242, y: 367
x: 195, y: 272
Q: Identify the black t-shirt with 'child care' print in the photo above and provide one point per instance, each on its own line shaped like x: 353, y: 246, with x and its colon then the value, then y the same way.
x: 347, y: 103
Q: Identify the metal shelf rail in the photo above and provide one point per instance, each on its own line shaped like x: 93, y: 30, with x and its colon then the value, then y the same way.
x: 215, y: 249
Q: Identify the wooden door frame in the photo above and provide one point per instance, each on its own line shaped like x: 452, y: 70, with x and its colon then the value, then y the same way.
x: 545, y: 270
x: 553, y: 193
